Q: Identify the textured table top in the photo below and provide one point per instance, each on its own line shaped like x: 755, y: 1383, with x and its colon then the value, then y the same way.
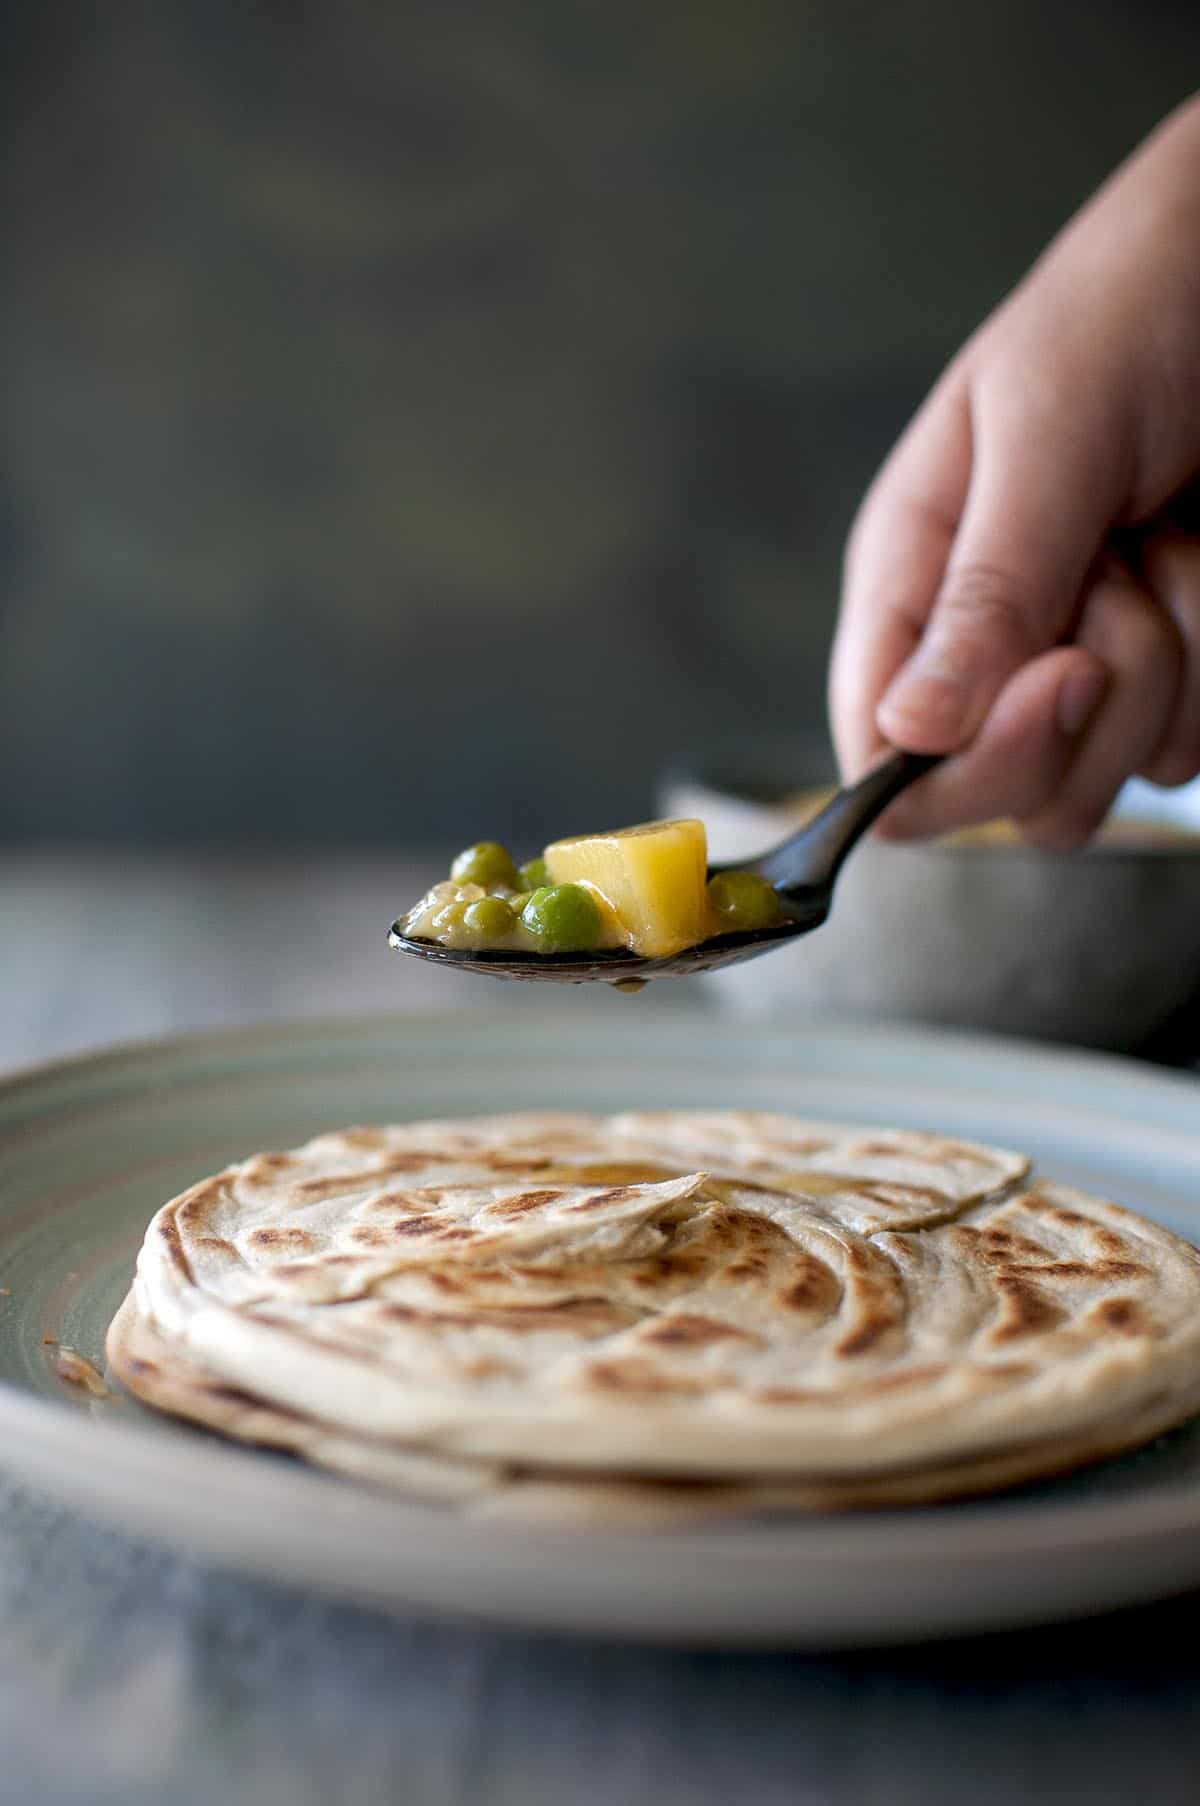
x: 130, y: 1676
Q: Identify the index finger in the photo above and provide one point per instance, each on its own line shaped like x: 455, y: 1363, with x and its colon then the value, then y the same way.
x: 1045, y: 486
x: 895, y: 561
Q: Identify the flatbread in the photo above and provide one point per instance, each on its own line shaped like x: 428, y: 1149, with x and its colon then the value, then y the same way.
x: 166, y: 1379
x: 726, y: 1311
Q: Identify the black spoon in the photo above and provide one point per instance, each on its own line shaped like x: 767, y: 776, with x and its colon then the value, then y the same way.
x: 802, y: 869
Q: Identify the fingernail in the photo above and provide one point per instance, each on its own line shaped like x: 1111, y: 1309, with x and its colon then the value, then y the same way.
x: 1079, y: 698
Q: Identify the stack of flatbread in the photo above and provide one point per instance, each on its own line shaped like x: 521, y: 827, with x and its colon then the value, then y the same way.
x: 658, y: 1316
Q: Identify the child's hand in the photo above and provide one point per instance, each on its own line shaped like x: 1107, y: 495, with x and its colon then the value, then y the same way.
x: 1022, y: 588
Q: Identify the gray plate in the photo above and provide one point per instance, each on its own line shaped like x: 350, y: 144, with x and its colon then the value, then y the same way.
x: 89, y: 1149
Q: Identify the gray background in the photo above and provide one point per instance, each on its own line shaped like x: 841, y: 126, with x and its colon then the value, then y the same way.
x: 423, y: 420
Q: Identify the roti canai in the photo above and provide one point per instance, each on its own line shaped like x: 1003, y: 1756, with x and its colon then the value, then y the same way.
x: 658, y: 1314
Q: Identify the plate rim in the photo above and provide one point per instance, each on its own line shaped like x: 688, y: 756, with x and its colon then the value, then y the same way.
x: 1128, y: 1067
x: 47, y: 1442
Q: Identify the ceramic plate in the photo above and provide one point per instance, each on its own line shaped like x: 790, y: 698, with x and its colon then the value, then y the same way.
x: 88, y: 1150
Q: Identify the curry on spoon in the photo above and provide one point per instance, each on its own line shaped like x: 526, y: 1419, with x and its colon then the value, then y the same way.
x: 642, y: 904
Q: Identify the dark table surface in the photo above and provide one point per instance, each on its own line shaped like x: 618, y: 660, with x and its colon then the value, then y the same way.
x: 128, y: 1675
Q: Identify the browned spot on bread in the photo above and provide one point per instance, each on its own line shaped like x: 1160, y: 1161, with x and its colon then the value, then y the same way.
x: 1126, y: 1316
x: 265, y: 1166
x: 1036, y: 1203
x: 1109, y: 1240
x: 582, y: 1316
x: 892, y: 1192
x: 412, y: 1160
x: 312, y: 1190
x: 1005, y: 1242
x: 896, y: 1382
x: 328, y: 1263
x: 857, y: 1259
x: 883, y: 1148
x: 488, y: 1367
x: 1080, y: 1269
x: 234, y: 1395
x: 867, y: 1334
x: 361, y: 1137
x: 446, y: 1282
x: 683, y: 1264
x: 1026, y: 1310
x: 585, y: 1317
x: 523, y: 1201
x: 367, y: 1235
x: 172, y: 1241
x: 873, y: 1306
x: 1008, y: 1370
x: 689, y: 1329
x: 455, y: 1235
x: 1033, y: 1202
x: 634, y: 1375
x: 215, y: 1244
x: 285, y: 1241
x: 413, y: 1202
x: 615, y: 1194
x: 512, y: 1163
x: 424, y: 1225
x: 750, y: 1266
x: 812, y: 1286
x: 940, y: 1149
x: 868, y: 1388
x: 728, y: 1226
x: 195, y: 1207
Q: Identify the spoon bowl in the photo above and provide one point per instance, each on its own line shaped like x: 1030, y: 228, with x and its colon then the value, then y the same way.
x: 611, y: 965
x: 801, y: 869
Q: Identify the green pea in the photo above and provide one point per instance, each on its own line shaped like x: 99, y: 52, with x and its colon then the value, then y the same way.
x: 490, y: 917
x: 563, y: 918
x: 518, y: 900
x: 486, y: 863
x: 534, y: 874
x: 743, y: 902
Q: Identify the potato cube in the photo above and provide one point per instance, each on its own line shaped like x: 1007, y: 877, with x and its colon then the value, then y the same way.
x: 652, y: 876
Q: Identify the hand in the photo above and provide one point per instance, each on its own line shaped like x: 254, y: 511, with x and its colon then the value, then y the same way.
x: 1022, y: 588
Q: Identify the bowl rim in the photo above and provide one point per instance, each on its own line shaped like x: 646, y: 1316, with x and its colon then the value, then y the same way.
x: 1179, y: 842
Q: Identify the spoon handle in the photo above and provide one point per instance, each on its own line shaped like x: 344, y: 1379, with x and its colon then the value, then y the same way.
x: 814, y: 855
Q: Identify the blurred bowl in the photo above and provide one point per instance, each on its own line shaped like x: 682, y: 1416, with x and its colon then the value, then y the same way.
x: 1100, y: 948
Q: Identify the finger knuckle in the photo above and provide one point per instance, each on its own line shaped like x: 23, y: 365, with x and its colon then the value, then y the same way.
x: 1134, y: 633
x: 984, y: 614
